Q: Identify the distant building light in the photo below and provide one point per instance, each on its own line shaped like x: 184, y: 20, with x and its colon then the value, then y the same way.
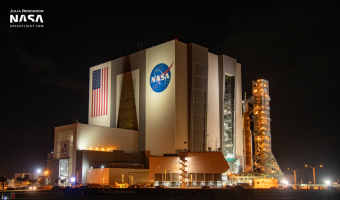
x: 91, y: 167
x: 73, y: 179
x: 102, y: 166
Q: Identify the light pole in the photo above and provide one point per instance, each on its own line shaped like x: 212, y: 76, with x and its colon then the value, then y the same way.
x: 313, y: 171
x: 294, y: 176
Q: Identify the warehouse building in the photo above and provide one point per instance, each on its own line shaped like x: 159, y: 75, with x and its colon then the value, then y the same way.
x: 169, y: 99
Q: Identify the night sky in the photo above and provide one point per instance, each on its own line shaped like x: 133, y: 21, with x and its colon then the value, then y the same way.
x: 293, y: 44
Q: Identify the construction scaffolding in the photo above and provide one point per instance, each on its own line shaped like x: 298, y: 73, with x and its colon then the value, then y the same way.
x: 264, y: 160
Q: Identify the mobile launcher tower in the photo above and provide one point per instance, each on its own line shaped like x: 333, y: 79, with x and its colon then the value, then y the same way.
x: 262, y: 163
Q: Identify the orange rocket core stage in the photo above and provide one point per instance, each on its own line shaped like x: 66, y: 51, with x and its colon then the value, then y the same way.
x: 247, y: 143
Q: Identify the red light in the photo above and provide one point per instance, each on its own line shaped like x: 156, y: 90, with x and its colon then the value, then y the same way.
x: 176, y: 39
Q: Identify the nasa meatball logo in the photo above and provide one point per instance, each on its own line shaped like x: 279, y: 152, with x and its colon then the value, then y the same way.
x: 160, y: 77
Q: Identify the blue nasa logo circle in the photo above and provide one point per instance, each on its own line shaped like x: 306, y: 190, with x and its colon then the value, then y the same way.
x: 160, y: 77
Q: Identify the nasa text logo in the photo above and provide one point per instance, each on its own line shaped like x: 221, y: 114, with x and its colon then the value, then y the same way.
x: 160, y: 77
x: 26, y: 18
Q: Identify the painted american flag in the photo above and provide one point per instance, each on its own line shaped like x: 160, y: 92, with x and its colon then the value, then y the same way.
x: 100, y: 92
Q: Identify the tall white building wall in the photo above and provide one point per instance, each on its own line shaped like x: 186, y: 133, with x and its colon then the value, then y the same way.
x: 213, y: 121
x: 181, y: 96
x: 162, y: 118
x: 160, y: 107
x: 238, y: 116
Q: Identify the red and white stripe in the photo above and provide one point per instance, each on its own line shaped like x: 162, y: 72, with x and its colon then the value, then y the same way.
x: 100, y: 96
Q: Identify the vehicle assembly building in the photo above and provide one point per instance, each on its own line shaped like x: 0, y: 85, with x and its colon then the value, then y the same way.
x: 164, y: 106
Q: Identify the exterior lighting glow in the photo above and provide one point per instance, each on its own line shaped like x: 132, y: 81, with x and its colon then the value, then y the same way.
x: 320, y: 165
x: 108, y: 149
x: 97, y: 148
x: 91, y: 148
x: 84, y: 148
x: 91, y: 167
x: 73, y: 179
x: 328, y: 182
x: 39, y: 170
x: 102, y: 166
x: 102, y: 149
